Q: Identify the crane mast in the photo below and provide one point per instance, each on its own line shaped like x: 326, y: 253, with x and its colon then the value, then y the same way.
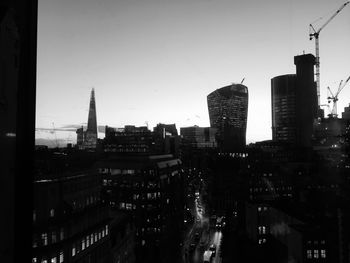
x: 315, y: 35
x: 334, y: 97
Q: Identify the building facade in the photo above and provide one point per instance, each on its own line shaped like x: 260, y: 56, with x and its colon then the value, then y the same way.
x: 228, y: 111
x: 294, y: 104
x: 198, y: 137
x: 150, y: 189
x: 72, y: 224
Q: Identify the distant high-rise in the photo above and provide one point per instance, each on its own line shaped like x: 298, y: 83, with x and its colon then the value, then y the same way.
x: 88, y: 139
x: 91, y: 132
x: 294, y: 103
x: 228, y: 111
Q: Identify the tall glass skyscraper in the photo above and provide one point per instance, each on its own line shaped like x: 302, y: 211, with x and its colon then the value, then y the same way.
x: 88, y: 139
x: 228, y: 111
x: 91, y: 132
x: 294, y: 103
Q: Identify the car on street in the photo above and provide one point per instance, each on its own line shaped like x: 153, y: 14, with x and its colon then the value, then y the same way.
x: 212, y: 248
x: 207, y: 256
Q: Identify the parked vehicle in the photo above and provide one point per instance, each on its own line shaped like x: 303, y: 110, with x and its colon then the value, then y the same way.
x: 212, y: 248
x: 207, y: 256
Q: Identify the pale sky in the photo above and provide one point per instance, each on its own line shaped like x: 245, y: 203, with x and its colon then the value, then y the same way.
x: 157, y: 60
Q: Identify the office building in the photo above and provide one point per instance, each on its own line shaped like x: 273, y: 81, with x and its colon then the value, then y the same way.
x: 228, y: 111
x: 346, y: 113
x: 88, y: 139
x: 294, y: 103
x: 149, y: 188
x: 198, y: 137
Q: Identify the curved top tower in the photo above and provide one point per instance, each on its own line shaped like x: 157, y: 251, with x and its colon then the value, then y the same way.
x: 228, y: 112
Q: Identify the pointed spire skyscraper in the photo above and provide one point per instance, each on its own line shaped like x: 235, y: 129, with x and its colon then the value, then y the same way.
x: 91, y: 132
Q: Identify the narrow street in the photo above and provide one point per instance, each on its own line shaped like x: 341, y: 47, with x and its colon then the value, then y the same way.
x: 200, y: 235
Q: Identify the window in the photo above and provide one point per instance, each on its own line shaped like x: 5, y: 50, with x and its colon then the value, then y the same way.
x: 34, y: 260
x: 73, y: 251
x: 92, y: 239
x: 95, y: 237
x: 309, y: 253
x: 52, y: 212
x: 35, y: 243
x: 323, y: 253
x: 44, y: 238
x: 43, y: 261
x: 83, y: 244
x: 87, y: 241
x: 54, y: 260
x: 262, y: 230
x: 62, y: 233
x: 61, y: 256
x: 315, y: 253
x: 53, y: 237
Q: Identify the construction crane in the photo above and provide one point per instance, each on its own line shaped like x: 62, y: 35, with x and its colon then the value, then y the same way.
x: 334, y: 97
x: 315, y: 34
x: 54, y: 131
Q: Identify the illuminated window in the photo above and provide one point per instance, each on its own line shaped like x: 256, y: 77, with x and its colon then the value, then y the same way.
x: 44, y: 238
x: 61, y: 256
x: 106, y: 229
x: 73, y: 251
x: 316, y: 253
x: 83, y: 244
x: 54, y: 260
x: 52, y: 212
x: 103, y: 233
x: 143, y: 242
x: 95, y: 237
x: 323, y: 253
x: 34, y: 260
x: 92, y: 239
x: 44, y: 261
x: 87, y: 241
x: 309, y: 253
x: 62, y: 233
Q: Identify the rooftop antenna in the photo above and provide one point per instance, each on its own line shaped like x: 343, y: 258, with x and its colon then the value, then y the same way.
x: 242, y: 80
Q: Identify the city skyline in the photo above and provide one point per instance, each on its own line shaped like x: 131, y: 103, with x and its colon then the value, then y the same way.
x: 157, y: 61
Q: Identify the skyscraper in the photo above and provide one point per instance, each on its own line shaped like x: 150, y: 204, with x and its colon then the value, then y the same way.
x: 88, y: 139
x: 91, y: 132
x: 294, y: 103
x: 228, y: 111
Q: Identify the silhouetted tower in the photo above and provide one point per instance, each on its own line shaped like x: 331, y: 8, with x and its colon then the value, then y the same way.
x: 228, y: 111
x: 294, y: 103
x: 91, y: 132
